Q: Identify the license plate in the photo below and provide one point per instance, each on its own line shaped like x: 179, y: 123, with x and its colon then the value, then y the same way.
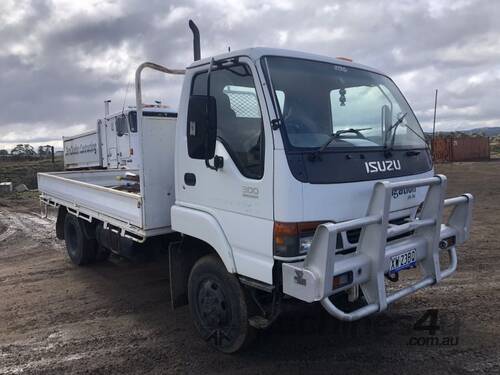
x: 405, y: 260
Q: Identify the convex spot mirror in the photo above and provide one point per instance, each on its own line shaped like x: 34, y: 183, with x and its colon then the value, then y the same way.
x: 121, y: 125
x: 201, y: 127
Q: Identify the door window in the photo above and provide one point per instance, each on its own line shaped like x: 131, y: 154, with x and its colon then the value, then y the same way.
x: 239, y: 120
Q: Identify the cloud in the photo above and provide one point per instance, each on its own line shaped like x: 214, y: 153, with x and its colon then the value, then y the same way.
x: 60, y: 59
x: 37, y: 134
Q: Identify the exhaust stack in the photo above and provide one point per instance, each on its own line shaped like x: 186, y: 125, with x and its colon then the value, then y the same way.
x: 106, y: 108
x: 196, y: 40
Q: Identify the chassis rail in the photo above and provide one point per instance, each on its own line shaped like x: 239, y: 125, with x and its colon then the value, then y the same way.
x: 313, y: 279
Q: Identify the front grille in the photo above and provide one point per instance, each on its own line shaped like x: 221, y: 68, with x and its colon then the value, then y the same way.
x: 353, y: 235
x: 399, y: 221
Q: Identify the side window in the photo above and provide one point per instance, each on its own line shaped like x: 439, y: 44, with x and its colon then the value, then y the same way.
x: 239, y: 120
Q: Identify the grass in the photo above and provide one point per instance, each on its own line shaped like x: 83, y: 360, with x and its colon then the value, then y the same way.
x: 20, y: 198
x: 495, y: 147
x: 24, y: 172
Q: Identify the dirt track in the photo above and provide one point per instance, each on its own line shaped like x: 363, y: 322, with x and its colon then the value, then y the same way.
x: 115, y: 316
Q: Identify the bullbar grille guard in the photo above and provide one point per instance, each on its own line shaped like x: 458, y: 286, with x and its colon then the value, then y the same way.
x: 312, y: 279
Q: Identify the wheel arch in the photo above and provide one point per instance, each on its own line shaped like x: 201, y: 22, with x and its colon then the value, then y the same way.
x: 203, y: 226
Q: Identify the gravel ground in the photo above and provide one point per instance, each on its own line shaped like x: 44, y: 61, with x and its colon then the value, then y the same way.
x: 115, y: 317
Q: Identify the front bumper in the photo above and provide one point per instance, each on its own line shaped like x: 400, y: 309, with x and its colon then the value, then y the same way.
x: 313, y: 279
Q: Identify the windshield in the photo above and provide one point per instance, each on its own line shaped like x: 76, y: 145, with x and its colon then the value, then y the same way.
x: 338, y: 106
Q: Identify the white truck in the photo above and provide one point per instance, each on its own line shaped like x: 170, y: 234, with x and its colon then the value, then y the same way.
x: 111, y: 144
x: 288, y: 176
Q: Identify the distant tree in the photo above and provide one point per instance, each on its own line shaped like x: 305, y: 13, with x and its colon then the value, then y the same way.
x: 29, y: 150
x: 45, y: 150
x: 23, y: 149
x: 18, y: 150
x: 4, y: 152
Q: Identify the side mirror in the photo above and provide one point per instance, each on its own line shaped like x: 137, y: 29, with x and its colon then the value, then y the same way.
x: 121, y: 126
x: 132, y: 120
x: 201, y: 127
x: 386, y: 117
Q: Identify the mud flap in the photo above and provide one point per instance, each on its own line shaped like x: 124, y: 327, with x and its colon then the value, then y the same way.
x: 61, y: 216
x: 181, y: 259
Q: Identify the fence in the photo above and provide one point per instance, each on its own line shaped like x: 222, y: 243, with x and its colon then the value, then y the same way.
x: 14, y: 158
x: 463, y: 148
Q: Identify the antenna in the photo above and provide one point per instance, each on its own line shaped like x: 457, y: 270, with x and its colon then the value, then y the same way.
x: 106, y: 108
x: 196, y: 40
x: 434, y: 122
x: 125, y: 98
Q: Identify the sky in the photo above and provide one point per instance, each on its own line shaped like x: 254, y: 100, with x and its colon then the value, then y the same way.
x: 60, y: 59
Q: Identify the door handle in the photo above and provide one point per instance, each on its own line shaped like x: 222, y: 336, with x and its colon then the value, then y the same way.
x: 190, y: 179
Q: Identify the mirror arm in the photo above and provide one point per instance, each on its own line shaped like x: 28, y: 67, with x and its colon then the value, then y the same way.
x: 218, y: 160
x: 218, y: 163
x: 207, y: 164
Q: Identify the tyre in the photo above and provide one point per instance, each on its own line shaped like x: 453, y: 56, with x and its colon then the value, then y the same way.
x: 81, y: 250
x: 102, y: 253
x: 218, y: 306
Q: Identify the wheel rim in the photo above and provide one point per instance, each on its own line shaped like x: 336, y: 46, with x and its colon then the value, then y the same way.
x: 214, y: 312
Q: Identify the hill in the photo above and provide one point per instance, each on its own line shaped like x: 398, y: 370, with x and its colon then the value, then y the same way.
x: 486, y: 131
x: 489, y: 132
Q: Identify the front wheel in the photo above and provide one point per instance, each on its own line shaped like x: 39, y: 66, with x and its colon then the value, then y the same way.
x: 218, y: 306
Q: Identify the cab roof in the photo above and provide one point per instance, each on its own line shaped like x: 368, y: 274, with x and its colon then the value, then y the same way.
x: 256, y: 53
x: 145, y: 108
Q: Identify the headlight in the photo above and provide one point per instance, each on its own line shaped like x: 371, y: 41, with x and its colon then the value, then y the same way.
x: 293, y: 239
x: 305, y: 243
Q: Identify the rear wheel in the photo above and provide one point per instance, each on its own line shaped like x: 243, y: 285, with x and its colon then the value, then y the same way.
x: 102, y: 253
x: 80, y: 248
x: 218, y: 306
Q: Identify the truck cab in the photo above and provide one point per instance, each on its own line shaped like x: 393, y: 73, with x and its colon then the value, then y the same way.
x: 120, y: 139
x: 303, y: 140
x: 114, y: 142
x: 311, y: 176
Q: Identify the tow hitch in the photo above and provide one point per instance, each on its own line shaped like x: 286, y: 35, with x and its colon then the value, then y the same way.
x: 394, y: 277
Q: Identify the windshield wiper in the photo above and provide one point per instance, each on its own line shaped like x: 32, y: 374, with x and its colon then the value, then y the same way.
x: 337, y: 134
x: 392, y: 130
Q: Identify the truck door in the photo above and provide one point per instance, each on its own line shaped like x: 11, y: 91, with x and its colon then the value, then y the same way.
x: 111, y: 143
x: 240, y: 195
